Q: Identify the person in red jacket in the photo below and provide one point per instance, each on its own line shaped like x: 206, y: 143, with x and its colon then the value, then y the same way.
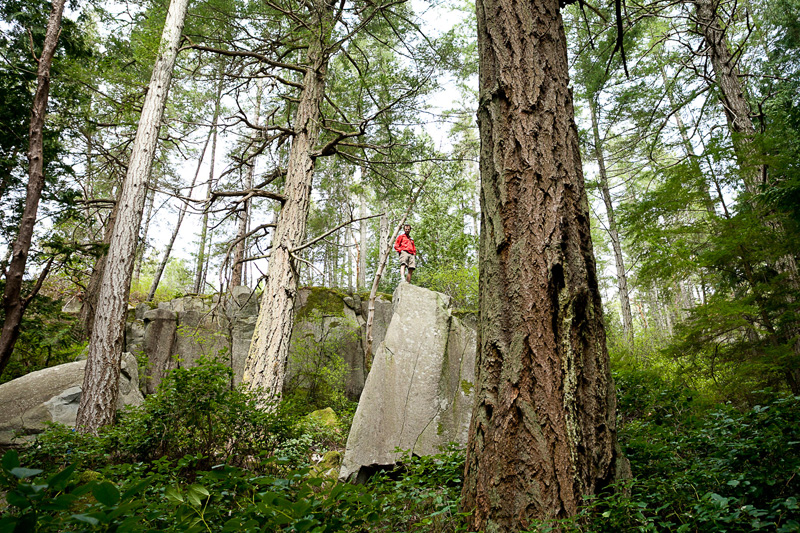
x: 404, y: 245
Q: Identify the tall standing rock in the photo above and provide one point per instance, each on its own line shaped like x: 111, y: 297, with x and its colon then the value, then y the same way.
x: 418, y: 394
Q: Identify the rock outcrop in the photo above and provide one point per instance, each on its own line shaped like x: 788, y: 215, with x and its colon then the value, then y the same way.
x: 418, y: 395
x: 28, y: 403
x: 181, y: 331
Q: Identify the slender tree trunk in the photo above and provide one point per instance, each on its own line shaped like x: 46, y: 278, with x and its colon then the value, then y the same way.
x: 100, y: 384
x: 14, y: 304
x: 384, y: 247
x: 543, y: 430
x: 265, y: 368
x: 244, y: 213
x: 199, y: 276
x: 361, y: 278
x: 142, y: 248
x: 616, y: 244
x: 732, y: 97
x: 89, y: 308
x: 181, y: 214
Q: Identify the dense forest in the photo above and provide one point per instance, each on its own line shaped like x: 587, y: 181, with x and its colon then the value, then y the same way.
x: 611, y: 189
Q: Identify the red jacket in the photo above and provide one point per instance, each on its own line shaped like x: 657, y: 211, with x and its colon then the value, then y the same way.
x: 405, y: 243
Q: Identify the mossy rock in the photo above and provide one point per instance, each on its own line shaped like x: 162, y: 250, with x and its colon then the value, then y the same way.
x: 322, y: 301
x: 328, y: 467
x: 324, y: 417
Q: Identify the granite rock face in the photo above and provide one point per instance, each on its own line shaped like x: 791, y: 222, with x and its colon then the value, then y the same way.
x: 179, y: 332
x: 53, y: 395
x: 418, y: 395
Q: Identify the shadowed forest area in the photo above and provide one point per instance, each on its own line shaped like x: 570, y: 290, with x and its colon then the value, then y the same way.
x: 608, y: 192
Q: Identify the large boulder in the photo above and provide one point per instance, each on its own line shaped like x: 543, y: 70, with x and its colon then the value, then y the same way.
x: 328, y: 324
x: 418, y: 395
x: 28, y: 403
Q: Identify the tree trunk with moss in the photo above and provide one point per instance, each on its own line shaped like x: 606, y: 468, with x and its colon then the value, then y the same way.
x: 543, y: 431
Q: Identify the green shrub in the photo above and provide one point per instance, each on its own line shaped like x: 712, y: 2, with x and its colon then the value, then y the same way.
x: 423, y: 493
x: 731, y: 470
x: 222, y: 499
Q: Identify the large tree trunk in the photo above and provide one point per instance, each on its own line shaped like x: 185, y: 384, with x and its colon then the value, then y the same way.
x: 14, y: 304
x: 734, y: 103
x: 616, y: 244
x: 266, y: 362
x: 543, y: 431
x: 100, y: 384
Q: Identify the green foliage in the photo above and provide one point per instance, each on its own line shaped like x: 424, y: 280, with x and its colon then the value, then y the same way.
x: 195, y: 414
x: 316, y: 371
x: 460, y: 283
x: 295, y: 502
x: 47, y: 337
x: 424, y: 493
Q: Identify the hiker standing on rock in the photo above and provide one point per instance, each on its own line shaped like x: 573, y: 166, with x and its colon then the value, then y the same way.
x: 408, y: 253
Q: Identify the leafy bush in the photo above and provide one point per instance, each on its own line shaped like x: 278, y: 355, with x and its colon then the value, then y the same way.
x: 732, y: 470
x: 423, y: 493
x: 460, y: 283
x: 295, y: 502
x: 195, y: 413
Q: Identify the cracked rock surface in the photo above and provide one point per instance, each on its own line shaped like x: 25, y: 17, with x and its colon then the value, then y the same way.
x: 418, y: 394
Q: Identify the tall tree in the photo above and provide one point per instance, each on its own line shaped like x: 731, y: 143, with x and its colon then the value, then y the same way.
x: 14, y: 304
x: 543, y: 431
x: 100, y: 388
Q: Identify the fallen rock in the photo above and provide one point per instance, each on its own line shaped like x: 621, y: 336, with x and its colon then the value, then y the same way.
x: 53, y: 394
x: 418, y: 395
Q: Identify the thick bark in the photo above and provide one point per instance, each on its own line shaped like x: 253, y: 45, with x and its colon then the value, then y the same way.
x: 613, y: 234
x: 14, y: 304
x: 266, y: 362
x: 543, y: 431
x: 100, y: 384
x: 732, y: 97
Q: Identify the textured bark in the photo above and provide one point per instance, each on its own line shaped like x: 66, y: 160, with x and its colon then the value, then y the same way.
x: 543, y: 431
x: 14, y: 304
x: 732, y: 98
x: 266, y: 362
x: 613, y: 234
x: 99, y: 397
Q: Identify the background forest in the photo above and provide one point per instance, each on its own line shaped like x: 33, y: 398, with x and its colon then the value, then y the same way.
x: 689, y: 121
